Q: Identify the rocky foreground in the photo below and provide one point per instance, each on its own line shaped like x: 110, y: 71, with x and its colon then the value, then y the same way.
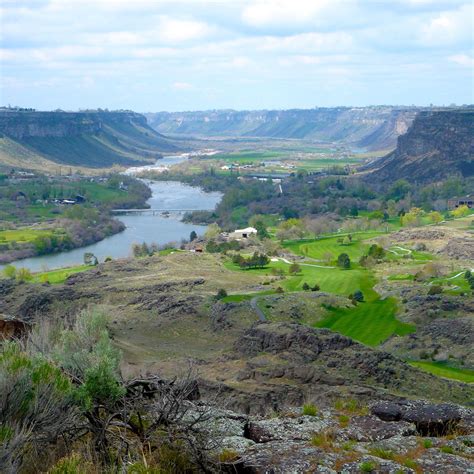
x: 385, y: 437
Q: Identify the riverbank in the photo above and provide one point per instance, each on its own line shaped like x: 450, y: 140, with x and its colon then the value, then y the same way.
x: 138, y: 228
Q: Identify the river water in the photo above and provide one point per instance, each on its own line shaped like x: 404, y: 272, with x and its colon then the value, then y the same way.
x: 140, y: 227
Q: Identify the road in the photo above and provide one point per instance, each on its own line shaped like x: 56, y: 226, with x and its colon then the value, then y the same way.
x: 260, y: 313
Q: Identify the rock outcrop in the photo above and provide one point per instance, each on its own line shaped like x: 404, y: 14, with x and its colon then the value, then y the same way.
x: 89, y: 139
x: 437, y: 145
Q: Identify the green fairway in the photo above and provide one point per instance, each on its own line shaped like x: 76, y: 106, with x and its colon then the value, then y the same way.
x: 320, y: 248
x: 441, y: 369
x: 60, y: 275
x: 371, y: 322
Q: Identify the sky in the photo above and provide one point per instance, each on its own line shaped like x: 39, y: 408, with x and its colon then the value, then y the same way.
x: 153, y: 55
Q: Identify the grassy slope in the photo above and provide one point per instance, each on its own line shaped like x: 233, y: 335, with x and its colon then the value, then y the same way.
x: 22, y: 235
x: 443, y: 370
x: 60, y: 275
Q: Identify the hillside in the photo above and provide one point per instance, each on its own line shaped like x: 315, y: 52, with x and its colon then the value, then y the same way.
x: 437, y: 145
x: 87, y: 139
x: 368, y: 127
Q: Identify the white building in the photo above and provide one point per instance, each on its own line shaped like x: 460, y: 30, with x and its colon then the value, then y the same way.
x: 240, y: 234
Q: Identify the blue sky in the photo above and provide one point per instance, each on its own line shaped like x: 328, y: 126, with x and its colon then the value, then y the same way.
x: 153, y: 55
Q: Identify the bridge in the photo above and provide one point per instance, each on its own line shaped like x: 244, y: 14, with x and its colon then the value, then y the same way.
x: 151, y: 211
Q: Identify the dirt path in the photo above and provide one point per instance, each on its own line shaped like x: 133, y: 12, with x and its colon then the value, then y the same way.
x: 254, y: 305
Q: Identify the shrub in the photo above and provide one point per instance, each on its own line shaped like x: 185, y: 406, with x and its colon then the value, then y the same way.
x: 435, y: 290
x: 305, y: 286
x: 358, y: 296
x: 294, y: 268
x: 468, y: 275
x: 382, y: 453
x: 108, y: 259
x: 279, y: 290
x: 427, y: 443
x: 316, y: 287
x: 10, y: 272
x: 228, y: 455
x: 344, y: 420
x: 309, y: 410
x: 222, y: 293
x: 367, y: 466
x: 343, y: 261
x: 23, y: 274
x: 447, y: 449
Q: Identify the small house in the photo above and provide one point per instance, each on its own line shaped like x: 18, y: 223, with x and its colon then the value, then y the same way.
x: 240, y: 234
x: 462, y: 201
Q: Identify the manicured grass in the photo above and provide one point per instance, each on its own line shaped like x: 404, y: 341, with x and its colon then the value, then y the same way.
x: 442, y: 369
x: 318, y: 248
x: 60, y: 275
x: 238, y: 298
x: 245, y: 157
x: 370, y: 322
x: 22, y: 235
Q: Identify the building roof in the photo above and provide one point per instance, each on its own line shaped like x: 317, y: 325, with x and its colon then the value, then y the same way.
x: 248, y: 230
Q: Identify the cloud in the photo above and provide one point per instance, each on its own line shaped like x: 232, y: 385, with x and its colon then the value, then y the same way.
x: 449, y: 27
x: 174, y: 31
x: 182, y: 86
x: 462, y: 60
x: 284, y: 12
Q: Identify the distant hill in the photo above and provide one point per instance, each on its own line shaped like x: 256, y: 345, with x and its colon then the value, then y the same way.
x: 374, y: 128
x: 33, y: 139
x: 438, y: 144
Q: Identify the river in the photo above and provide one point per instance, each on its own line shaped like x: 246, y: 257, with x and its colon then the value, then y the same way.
x: 140, y: 227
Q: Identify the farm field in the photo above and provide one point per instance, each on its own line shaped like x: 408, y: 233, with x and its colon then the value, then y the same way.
x: 23, y: 235
x: 441, y: 369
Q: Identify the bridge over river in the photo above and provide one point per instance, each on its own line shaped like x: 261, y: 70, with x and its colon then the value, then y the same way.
x: 151, y: 211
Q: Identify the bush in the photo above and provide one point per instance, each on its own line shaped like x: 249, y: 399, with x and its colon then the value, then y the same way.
x: 294, y: 268
x: 358, y: 296
x: 367, y: 466
x: 435, y: 290
x: 10, y: 272
x: 23, y: 274
x: 309, y: 410
x: 279, y: 290
x: 305, y: 286
x: 343, y: 261
x: 221, y: 294
x: 316, y: 287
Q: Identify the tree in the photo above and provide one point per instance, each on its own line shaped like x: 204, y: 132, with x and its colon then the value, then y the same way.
x: 305, y: 286
x: 222, y: 293
x: 315, y: 287
x: 90, y: 259
x: 10, y: 272
x: 343, y: 261
x: 435, y: 217
x: 468, y: 275
x: 377, y: 252
x: 213, y: 231
x: 328, y: 257
x: 192, y: 236
x: 294, y: 268
x: 358, y: 296
x: 461, y: 211
x: 262, y: 232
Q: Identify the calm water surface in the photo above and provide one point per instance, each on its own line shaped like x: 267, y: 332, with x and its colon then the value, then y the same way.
x: 140, y: 228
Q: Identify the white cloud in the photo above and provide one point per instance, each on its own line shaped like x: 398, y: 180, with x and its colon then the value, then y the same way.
x: 173, y: 30
x: 283, y: 12
x: 462, y: 60
x: 449, y: 27
x: 182, y: 86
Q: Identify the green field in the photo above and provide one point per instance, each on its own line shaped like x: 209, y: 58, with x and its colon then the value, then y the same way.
x: 317, y: 249
x: 23, y: 235
x: 246, y: 156
x: 60, y: 275
x: 370, y: 322
x: 442, y: 369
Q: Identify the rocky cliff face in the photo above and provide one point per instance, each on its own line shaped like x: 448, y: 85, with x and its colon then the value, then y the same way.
x: 368, y: 127
x: 438, y: 144
x: 89, y: 139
